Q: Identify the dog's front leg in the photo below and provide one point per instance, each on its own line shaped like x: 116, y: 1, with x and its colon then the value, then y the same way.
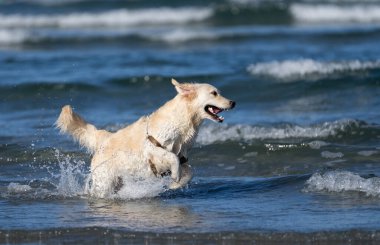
x: 174, y: 162
x: 186, y: 176
x: 163, y: 160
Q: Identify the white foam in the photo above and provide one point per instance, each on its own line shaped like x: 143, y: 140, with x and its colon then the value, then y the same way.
x: 212, y: 133
x: 12, y: 36
x: 297, y: 69
x: 317, y: 144
x: 181, y: 35
x: 120, y: 17
x: 341, y: 181
x: 331, y: 155
x: 141, y: 188
x: 331, y: 13
x: 18, y: 188
x: 367, y: 153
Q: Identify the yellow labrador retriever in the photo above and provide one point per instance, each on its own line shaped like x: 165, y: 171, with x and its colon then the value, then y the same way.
x: 154, y: 145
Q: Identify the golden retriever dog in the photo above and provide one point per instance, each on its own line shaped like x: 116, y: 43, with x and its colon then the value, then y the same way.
x: 153, y: 146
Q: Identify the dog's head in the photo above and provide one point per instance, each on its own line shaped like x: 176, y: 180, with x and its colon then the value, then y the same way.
x: 205, y: 99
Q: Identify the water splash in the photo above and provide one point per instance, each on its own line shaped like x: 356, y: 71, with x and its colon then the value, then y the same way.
x: 18, y: 188
x: 68, y: 177
x: 137, y: 188
x: 72, y: 175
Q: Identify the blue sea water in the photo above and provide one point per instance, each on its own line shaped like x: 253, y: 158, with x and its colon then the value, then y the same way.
x: 297, y: 160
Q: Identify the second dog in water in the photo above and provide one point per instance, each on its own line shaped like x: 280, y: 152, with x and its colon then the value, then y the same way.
x: 151, y: 146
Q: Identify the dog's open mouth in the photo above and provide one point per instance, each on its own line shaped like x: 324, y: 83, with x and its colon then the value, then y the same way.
x: 213, y: 111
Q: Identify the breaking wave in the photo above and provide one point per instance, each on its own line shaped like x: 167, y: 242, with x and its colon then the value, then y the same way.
x: 342, y: 181
x: 316, y: 13
x: 308, y: 68
x: 212, y: 133
x: 12, y: 36
x: 120, y: 17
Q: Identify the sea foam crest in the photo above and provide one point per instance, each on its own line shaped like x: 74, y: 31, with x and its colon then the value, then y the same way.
x: 297, y: 69
x: 212, y: 133
x: 316, y: 13
x: 341, y: 181
x: 12, y: 36
x: 181, y: 35
x: 18, y: 188
x: 120, y: 17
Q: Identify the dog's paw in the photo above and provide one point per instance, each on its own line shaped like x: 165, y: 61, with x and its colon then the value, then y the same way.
x: 176, y: 175
x: 176, y: 178
x: 175, y: 186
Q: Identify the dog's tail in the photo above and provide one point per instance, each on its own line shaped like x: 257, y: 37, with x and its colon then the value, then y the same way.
x: 86, y: 134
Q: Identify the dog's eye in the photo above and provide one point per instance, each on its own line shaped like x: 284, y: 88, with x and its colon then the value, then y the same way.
x: 214, y: 93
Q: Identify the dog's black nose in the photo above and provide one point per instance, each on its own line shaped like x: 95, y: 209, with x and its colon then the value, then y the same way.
x: 232, y: 104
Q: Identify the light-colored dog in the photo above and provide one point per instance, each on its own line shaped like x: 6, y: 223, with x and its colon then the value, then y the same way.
x: 154, y: 145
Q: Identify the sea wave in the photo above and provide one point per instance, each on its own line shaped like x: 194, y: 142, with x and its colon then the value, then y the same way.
x: 212, y: 133
x: 332, y: 13
x: 119, y: 17
x: 132, y: 34
x: 289, y: 70
x: 164, y: 33
x: 181, y: 35
x: 342, y: 181
x: 20, y: 36
x: 13, y: 36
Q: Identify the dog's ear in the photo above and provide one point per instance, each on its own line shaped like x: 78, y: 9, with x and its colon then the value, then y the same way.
x: 185, y: 89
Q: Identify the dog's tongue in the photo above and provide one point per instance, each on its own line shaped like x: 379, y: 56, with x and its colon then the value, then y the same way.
x: 215, y: 110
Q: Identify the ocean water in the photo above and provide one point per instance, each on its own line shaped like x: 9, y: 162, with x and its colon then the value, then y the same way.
x: 297, y: 160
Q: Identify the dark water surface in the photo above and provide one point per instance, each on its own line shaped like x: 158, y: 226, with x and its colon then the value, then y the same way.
x: 297, y: 161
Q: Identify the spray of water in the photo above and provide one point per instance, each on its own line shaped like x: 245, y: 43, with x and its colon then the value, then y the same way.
x: 68, y: 177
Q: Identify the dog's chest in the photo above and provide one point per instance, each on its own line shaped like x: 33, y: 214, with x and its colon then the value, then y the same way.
x: 176, y: 139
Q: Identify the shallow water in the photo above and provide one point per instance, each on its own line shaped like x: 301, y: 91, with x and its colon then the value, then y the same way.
x: 297, y: 160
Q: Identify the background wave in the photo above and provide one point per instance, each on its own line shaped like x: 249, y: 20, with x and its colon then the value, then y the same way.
x: 120, y: 17
x: 215, y: 133
x: 331, y: 13
x: 343, y: 181
x: 308, y: 68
